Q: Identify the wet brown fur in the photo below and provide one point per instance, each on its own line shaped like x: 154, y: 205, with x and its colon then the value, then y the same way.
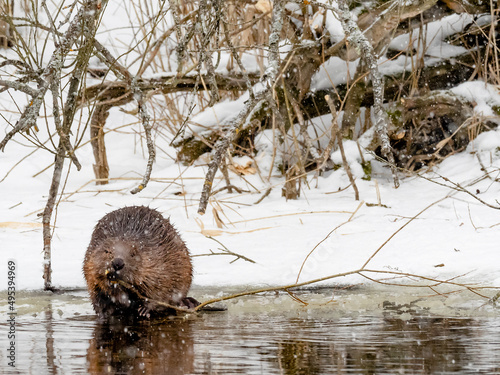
x: 138, y: 246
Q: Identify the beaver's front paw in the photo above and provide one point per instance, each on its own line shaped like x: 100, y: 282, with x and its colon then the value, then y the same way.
x: 146, y: 308
x: 189, y: 302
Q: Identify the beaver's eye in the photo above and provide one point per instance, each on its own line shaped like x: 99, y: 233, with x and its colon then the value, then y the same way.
x: 106, y: 251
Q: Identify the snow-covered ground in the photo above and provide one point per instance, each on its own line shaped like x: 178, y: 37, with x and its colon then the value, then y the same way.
x: 457, y: 236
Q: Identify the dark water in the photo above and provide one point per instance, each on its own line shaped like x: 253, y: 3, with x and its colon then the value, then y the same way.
x: 361, y: 334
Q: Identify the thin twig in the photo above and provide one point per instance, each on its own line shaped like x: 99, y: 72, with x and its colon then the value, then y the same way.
x: 400, y: 229
x: 225, y: 251
x: 145, y: 118
x: 268, y: 191
x: 325, y: 238
x: 336, y: 129
x: 455, y: 186
x: 225, y: 173
x: 229, y: 189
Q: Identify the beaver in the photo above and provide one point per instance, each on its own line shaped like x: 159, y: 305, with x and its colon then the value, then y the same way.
x: 136, y: 258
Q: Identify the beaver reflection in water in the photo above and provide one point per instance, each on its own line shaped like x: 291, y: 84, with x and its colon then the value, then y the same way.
x: 136, y: 257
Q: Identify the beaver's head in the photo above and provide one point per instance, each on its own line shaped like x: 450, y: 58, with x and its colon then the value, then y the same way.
x: 115, y: 260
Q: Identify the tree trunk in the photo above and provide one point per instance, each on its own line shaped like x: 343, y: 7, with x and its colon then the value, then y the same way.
x: 101, y: 167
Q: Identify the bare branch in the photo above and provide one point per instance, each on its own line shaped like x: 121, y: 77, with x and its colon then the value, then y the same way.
x: 225, y: 251
x: 167, y: 83
x: 251, y: 106
x: 341, y: 146
x: 272, y: 70
x: 30, y: 115
x: 107, y: 58
x: 81, y: 24
x: 144, y: 115
x: 206, y: 32
x: 400, y: 229
x: 27, y: 89
x: 223, y: 143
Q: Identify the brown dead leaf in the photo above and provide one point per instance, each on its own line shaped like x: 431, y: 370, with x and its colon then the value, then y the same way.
x: 398, y: 135
x: 19, y: 225
x: 211, y: 232
x: 207, y: 232
x: 264, y: 6
x: 243, y: 169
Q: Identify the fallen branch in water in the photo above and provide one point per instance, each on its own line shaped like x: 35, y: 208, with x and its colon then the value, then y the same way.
x: 131, y: 288
x: 432, y: 284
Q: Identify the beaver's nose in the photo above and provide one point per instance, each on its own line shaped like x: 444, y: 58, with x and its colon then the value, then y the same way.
x: 118, y: 264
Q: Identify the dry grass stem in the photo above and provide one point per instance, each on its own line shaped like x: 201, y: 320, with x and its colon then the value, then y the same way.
x: 400, y: 229
x: 326, y: 237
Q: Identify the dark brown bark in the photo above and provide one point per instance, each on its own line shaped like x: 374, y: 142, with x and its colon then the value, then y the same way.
x: 426, y: 129
x: 353, y: 102
x: 101, y: 167
x: 470, y: 6
x: 340, y: 143
x: 119, y: 93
